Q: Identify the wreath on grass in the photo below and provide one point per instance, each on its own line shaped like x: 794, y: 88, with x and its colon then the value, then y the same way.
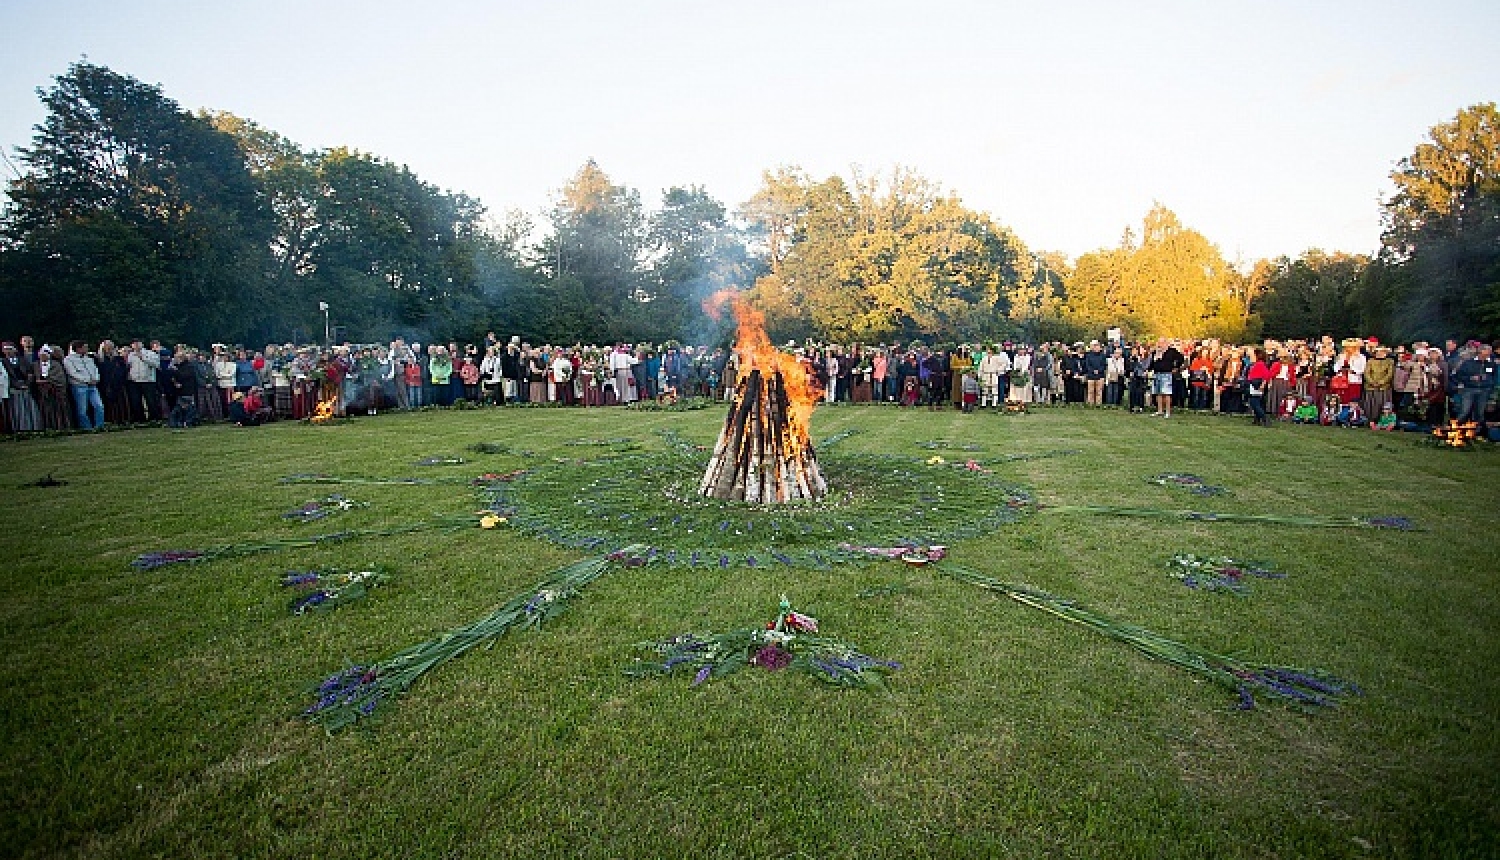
x: 652, y: 499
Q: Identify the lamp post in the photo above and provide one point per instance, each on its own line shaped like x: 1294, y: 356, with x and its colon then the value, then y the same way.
x: 327, y: 334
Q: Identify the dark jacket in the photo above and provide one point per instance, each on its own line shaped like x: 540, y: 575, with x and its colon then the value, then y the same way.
x: 1095, y: 364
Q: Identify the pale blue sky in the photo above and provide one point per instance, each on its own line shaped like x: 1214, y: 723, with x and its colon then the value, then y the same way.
x: 1269, y: 126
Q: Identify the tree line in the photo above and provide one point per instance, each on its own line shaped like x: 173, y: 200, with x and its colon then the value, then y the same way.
x: 132, y: 216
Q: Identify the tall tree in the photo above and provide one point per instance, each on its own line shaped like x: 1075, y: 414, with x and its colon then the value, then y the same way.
x: 599, y: 240
x: 695, y: 252
x: 1439, y: 271
x: 133, y: 216
x: 1170, y: 280
x: 393, y: 253
x: 1310, y: 296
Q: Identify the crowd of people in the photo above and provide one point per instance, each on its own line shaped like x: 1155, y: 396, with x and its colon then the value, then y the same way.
x: 1356, y: 382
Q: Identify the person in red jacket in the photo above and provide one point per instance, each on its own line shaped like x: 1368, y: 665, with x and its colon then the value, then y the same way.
x: 1256, y: 382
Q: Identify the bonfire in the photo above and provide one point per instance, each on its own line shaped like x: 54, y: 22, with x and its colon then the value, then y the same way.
x: 764, y: 454
x: 323, y: 413
x: 1457, y: 434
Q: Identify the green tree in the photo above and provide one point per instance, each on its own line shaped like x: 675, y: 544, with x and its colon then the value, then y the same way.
x: 1310, y: 296
x: 695, y: 251
x: 1439, y: 270
x: 1170, y: 280
x: 393, y: 253
x: 599, y: 240
x: 133, y: 217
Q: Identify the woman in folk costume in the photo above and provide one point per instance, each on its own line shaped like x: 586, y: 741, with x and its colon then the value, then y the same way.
x: 1041, y: 375
x: 994, y: 372
x: 206, y: 393
x: 1350, y: 364
x: 620, y: 361
x: 959, y: 363
x: 1380, y: 378
x: 562, y: 377
x: 1434, y: 385
x: 304, y: 396
x: 536, y: 377
x: 25, y: 417
x: 280, y: 359
x: 1018, y: 380
x: 50, y: 385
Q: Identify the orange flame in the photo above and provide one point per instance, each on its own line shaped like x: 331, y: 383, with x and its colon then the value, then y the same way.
x: 755, y: 351
x: 323, y: 412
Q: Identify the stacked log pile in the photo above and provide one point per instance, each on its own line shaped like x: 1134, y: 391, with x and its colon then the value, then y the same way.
x: 762, y: 456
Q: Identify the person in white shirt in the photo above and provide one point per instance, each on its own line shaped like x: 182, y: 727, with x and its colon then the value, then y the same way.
x: 140, y: 381
x: 83, y: 378
x: 994, y: 370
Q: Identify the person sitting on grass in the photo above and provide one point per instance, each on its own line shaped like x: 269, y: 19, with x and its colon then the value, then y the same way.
x: 1331, y: 406
x: 1306, y: 412
x: 1350, y: 415
x: 1387, y: 421
x: 1289, y: 406
x: 240, y: 413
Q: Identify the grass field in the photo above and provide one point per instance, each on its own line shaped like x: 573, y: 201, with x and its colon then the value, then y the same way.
x: 155, y: 713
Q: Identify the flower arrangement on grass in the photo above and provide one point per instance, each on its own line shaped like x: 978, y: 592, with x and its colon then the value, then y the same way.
x: 323, y: 591
x: 1305, y: 689
x: 322, y: 508
x: 597, y: 504
x: 499, y: 448
x: 1192, y: 483
x: 356, y: 693
x: 441, y: 460
x: 1218, y: 573
x: 948, y: 445
x: 789, y: 642
x: 682, y: 404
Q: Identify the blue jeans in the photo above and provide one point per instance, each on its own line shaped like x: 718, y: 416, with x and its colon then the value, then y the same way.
x: 84, y: 397
x: 1469, y: 403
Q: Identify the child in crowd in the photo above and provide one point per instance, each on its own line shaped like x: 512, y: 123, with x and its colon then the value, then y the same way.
x: 911, y: 391
x: 1350, y: 415
x: 970, y: 389
x: 1306, y: 412
x: 1330, y: 413
x: 1289, y: 406
x: 1387, y: 420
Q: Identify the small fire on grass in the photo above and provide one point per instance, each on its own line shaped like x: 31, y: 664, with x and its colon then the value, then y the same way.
x: 1457, y: 434
x: 764, y: 454
x: 323, y: 413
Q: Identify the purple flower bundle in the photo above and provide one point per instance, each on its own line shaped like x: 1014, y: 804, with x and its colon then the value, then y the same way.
x: 321, y: 508
x: 1304, y: 688
x: 354, y: 687
x: 328, y: 590
x: 1301, y: 688
x: 1218, y: 573
x: 354, y: 694
x: 789, y: 642
x: 153, y: 560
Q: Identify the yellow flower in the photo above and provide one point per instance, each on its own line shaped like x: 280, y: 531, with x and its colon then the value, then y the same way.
x: 935, y: 460
x: 489, y: 521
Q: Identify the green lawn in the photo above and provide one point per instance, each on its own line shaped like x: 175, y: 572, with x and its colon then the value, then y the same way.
x: 155, y: 713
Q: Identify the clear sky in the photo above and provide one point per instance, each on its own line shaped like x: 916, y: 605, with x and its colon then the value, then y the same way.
x: 1271, y: 127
